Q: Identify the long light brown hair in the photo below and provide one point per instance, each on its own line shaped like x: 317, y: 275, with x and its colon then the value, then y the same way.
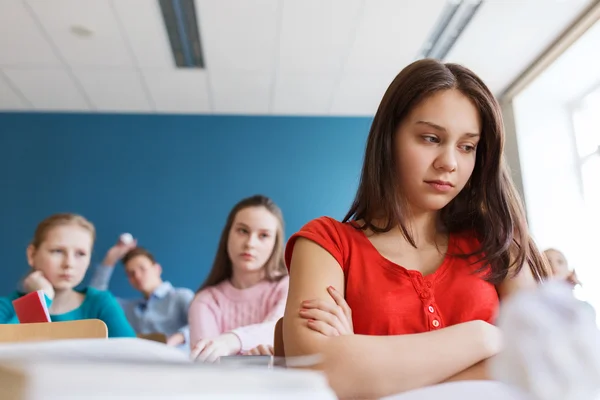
x: 222, y: 269
x: 61, y: 219
x: 489, y: 205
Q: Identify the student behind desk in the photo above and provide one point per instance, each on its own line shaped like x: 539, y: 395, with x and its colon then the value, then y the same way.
x: 560, y: 267
x: 435, y: 239
x: 163, y: 308
x: 59, y: 256
x: 237, y: 307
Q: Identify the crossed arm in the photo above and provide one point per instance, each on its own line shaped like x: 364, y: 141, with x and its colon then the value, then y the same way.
x: 362, y: 366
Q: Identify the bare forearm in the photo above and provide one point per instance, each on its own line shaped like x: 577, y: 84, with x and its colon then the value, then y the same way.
x: 374, y: 366
x: 477, y: 372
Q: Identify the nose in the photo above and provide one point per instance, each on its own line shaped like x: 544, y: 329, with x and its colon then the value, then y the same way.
x: 251, y: 241
x: 446, y: 160
x: 69, y: 260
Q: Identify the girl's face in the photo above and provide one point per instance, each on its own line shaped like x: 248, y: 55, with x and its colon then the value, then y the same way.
x: 251, y: 239
x: 64, y: 256
x: 435, y: 150
x: 558, y: 262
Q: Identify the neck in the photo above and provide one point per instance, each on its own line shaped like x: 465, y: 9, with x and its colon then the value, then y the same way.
x: 247, y: 279
x: 61, y: 296
x: 147, y: 293
x: 424, y: 227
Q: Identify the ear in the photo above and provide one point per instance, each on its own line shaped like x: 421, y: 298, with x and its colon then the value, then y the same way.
x: 159, y: 268
x: 30, y: 254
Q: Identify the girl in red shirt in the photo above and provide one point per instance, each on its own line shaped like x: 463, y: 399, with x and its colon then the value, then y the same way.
x: 403, y: 292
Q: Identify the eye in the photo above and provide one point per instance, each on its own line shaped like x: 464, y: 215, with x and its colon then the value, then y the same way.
x: 468, y: 148
x: 81, y: 254
x: 243, y: 230
x: 430, y: 138
x: 264, y: 235
x: 56, y: 251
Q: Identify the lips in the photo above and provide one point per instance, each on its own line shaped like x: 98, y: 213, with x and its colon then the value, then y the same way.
x: 440, y: 186
x: 440, y: 183
x: 247, y: 256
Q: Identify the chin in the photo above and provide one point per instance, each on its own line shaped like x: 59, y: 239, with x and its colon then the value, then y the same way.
x: 63, y: 286
x: 432, y: 206
x: 250, y: 267
x: 435, y: 204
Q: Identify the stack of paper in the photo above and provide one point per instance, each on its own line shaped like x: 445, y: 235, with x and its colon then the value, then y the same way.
x: 137, y: 368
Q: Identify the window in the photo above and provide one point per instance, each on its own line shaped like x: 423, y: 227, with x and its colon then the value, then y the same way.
x: 586, y: 123
x: 586, y: 126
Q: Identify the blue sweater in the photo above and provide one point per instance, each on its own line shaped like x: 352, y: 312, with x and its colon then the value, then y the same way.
x: 97, y: 304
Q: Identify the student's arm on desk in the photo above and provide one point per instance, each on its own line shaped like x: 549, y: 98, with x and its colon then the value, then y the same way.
x: 374, y: 366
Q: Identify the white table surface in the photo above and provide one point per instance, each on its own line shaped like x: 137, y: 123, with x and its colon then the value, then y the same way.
x: 136, y: 368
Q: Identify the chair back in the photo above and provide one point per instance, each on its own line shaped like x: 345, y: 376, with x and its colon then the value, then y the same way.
x: 42, y: 331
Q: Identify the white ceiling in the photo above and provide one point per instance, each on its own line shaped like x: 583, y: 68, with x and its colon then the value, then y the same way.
x: 292, y: 57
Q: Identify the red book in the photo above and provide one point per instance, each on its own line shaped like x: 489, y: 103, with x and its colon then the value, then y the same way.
x: 32, y: 308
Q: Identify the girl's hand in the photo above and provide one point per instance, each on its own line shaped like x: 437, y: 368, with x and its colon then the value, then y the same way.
x: 37, y: 281
x: 326, y: 318
x: 261, y: 350
x: 572, y: 279
x: 207, y: 350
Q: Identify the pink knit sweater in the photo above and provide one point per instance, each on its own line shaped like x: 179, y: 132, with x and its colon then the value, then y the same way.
x: 251, y: 313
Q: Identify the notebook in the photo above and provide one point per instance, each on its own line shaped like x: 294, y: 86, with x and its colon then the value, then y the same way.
x: 32, y: 308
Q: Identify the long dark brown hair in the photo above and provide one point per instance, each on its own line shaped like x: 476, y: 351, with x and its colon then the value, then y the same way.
x: 489, y: 205
x: 275, y: 266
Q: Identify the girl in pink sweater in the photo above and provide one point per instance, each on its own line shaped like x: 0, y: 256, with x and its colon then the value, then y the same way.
x: 237, y: 307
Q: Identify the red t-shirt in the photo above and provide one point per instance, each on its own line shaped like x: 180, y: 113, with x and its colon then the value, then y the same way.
x: 388, y: 299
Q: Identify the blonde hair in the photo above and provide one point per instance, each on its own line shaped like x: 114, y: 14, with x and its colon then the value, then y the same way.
x: 61, y: 219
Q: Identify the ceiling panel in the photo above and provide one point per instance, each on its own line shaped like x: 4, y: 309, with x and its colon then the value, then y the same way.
x: 182, y: 91
x: 21, y: 41
x: 503, y: 38
x: 360, y: 94
x: 391, y: 34
x: 300, y: 57
x: 298, y: 94
x: 240, y: 93
x: 48, y: 89
x: 104, y: 48
x: 9, y: 99
x: 239, y: 35
x: 114, y: 90
x: 316, y: 34
x: 145, y: 31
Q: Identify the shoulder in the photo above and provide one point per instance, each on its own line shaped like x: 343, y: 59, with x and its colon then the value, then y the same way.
x: 183, y: 292
x: 207, y: 295
x: 6, y: 301
x: 324, y: 225
x: 99, y: 298
x: 281, y: 285
x: 330, y: 234
x: 9, y: 299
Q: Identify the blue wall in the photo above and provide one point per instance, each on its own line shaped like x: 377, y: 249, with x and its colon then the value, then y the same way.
x: 169, y: 180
